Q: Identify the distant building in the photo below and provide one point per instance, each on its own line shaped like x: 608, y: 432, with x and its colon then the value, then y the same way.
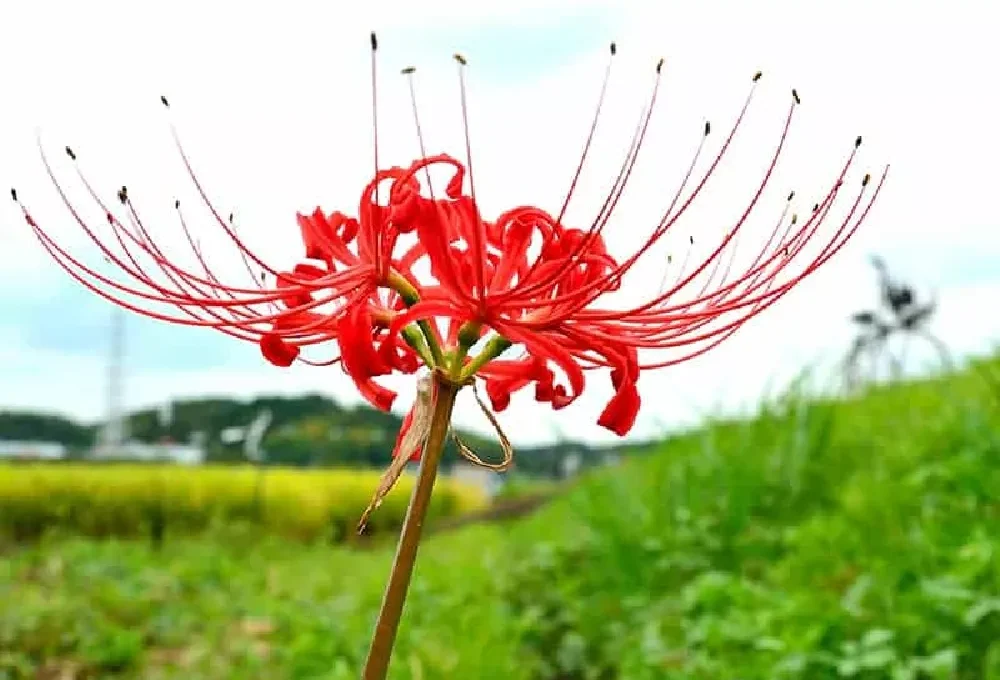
x: 467, y: 473
x: 570, y: 464
x: 14, y: 450
x: 181, y: 454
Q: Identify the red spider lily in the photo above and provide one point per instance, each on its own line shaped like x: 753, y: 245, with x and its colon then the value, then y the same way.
x: 486, y: 290
x: 553, y: 305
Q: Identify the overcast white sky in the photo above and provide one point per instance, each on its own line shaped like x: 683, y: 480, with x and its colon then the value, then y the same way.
x: 274, y: 109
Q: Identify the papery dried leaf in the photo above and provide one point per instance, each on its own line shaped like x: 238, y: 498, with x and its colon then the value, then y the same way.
x: 413, y: 439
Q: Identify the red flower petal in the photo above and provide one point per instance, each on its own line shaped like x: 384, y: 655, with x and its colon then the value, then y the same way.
x: 296, y: 295
x: 360, y: 359
x: 620, y: 413
x: 277, y: 351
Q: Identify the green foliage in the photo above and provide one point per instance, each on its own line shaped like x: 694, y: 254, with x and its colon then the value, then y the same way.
x: 17, y: 426
x: 818, y: 541
x: 137, y: 500
x: 308, y: 431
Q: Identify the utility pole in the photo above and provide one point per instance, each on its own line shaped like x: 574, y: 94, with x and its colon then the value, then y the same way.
x: 114, y: 433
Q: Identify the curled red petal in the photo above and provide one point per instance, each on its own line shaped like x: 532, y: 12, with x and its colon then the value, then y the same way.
x: 277, y: 351
x: 296, y: 293
x: 397, y: 354
x: 499, y: 391
x: 327, y: 238
x: 360, y: 359
x: 547, y: 348
x: 620, y: 413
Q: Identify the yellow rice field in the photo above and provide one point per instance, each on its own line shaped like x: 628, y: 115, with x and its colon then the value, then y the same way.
x: 105, y: 500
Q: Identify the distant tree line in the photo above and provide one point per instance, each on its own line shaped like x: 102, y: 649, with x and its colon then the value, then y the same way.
x: 310, y: 430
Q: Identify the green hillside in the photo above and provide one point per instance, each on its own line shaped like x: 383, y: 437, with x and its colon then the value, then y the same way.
x: 819, y: 540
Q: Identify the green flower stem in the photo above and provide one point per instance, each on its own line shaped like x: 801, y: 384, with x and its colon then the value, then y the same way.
x: 468, y: 335
x: 432, y: 343
x: 415, y: 339
x: 411, y: 297
x: 494, y: 347
x: 380, y: 652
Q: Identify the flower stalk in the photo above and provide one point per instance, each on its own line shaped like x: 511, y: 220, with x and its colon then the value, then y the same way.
x: 380, y: 652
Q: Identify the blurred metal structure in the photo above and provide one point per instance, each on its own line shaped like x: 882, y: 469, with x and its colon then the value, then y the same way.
x: 255, y: 435
x: 114, y: 433
x: 252, y: 435
x: 166, y: 414
x: 898, y: 314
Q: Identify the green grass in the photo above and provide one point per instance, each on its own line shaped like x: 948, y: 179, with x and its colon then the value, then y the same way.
x: 819, y: 540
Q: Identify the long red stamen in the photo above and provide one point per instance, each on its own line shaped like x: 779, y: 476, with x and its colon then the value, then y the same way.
x: 732, y: 328
x: 669, y: 219
x: 408, y: 72
x: 79, y: 271
x: 378, y: 232
x: 604, y: 213
x: 655, y: 307
x: 590, y: 135
x: 685, y: 323
x: 677, y: 196
x: 148, y: 245
x: 478, y: 245
x: 208, y: 203
x: 586, y: 294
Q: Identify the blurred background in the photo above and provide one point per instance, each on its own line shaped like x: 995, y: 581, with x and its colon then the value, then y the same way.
x: 815, y: 498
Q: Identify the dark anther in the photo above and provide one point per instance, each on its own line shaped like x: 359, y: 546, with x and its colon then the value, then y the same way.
x: 795, y: 218
x: 857, y: 142
x: 815, y: 207
x: 177, y: 204
x: 784, y: 251
x: 163, y: 100
x: 670, y: 258
x: 795, y: 96
x: 69, y: 152
x: 374, y: 41
x: 659, y: 65
x: 691, y: 239
x: 866, y: 180
x: 230, y: 218
x: 408, y: 70
x: 757, y: 75
x: 614, y: 49
x: 460, y: 59
x: 791, y: 195
x: 13, y: 194
x: 123, y: 195
x: 708, y: 127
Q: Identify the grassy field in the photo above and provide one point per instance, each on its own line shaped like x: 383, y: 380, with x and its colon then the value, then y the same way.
x: 819, y: 540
